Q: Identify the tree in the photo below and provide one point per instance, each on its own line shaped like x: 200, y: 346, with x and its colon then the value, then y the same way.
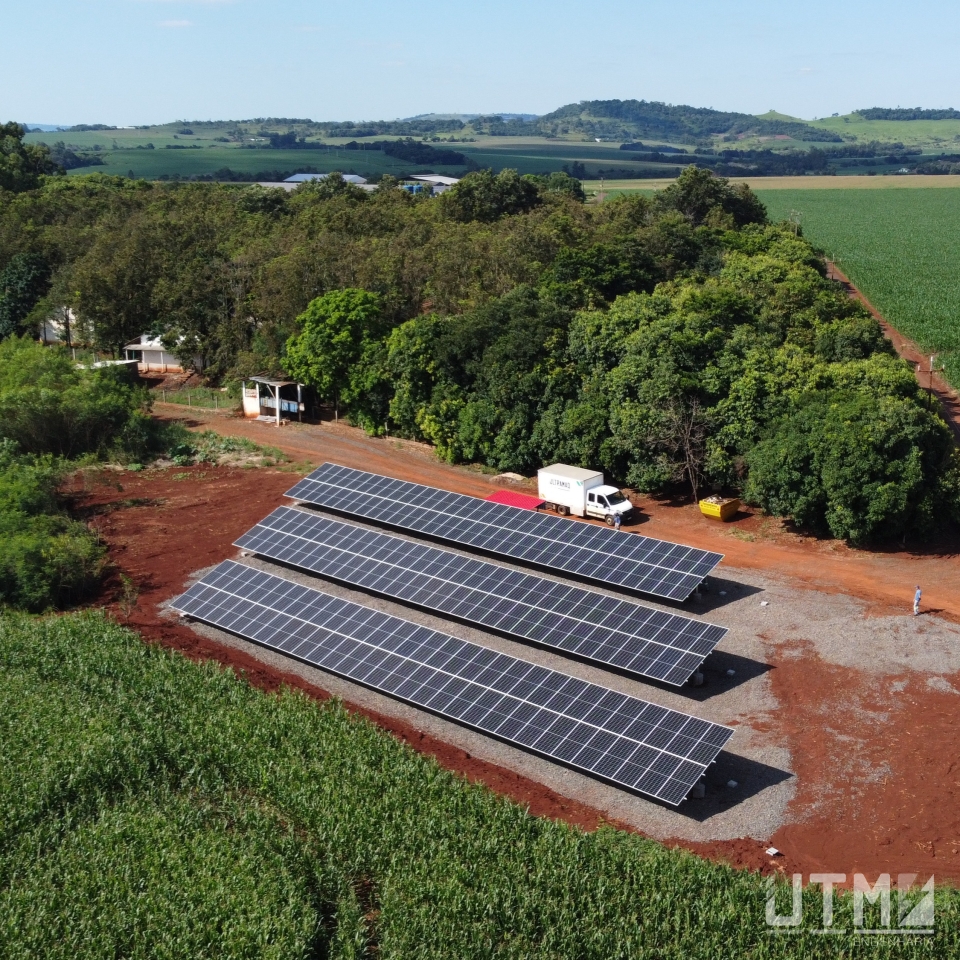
x: 114, y: 281
x: 22, y: 164
x: 679, y: 431
x: 561, y: 183
x: 332, y: 185
x: 336, y: 329
x: 602, y: 272
x: 856, y: 466
x: 487, y: 197
x: 49, y: 405
x: 703, y: 198
x: 23, y: 282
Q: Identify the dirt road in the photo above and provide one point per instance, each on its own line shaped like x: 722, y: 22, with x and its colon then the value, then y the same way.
x: 884, y: 579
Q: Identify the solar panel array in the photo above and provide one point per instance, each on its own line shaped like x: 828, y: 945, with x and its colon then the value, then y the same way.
x: 639, y: 563
x: 614, y: 632
x: 647, y: 748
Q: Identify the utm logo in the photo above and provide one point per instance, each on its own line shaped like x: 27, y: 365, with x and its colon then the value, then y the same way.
x: 914, y: 907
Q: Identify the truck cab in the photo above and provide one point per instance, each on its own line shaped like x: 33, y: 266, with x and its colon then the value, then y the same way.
x: 606, y: 501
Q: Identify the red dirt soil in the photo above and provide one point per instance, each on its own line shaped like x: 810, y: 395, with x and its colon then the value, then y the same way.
x: 164, y: 524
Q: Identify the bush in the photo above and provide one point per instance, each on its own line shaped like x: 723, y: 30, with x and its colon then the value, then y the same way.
x: 49, y: 405
x: 47, y: 560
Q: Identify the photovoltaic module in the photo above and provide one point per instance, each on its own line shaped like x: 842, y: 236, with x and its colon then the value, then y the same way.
x: 610, y: 631
x: 605, y: 556
x: 641, y: 746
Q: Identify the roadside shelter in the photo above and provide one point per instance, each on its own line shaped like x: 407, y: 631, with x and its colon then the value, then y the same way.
x: 267, y: 399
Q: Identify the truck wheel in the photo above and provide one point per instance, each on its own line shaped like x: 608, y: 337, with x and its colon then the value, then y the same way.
x: 563, y: 510
x: 609, y: 519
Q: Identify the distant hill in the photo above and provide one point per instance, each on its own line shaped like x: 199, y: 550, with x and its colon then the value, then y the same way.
x: 640, y: 119
x: 776, y: 115
x: 467, y: 117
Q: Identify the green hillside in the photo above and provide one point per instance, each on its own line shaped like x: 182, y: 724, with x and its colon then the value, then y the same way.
x: 640, y: 118
x: 922, y: 133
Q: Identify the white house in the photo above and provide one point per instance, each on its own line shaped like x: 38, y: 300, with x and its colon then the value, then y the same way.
x: 60, y: 327
x: 153, y: 356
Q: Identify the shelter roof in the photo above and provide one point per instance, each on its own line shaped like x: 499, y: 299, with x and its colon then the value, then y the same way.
x: 270, y: 382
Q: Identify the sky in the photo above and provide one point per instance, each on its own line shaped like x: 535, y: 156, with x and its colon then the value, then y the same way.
x: 128, y: 62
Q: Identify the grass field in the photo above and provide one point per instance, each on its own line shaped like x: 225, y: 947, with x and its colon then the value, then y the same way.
x: 922, y: 133
x: 491, y: 152
x: 150, y: 164
x: 153, y: 808
x: 538, y: 155
x: 901, y: 247
x: 212, y: 147
x: 206, y: 152
x: 765, y: 184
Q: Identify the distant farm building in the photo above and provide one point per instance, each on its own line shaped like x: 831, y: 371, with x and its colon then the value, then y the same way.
x: 307, y: 177
x: 291, y: 183
x: 437, y: 183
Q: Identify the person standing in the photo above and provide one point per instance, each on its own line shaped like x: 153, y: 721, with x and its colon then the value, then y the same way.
x: 616, y: 520
x: 916, y: 601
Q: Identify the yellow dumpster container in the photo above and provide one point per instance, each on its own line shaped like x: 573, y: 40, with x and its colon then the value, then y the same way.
x: 720, y: 508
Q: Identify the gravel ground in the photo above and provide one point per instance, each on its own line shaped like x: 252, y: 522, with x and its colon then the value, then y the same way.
x: 765, y: 616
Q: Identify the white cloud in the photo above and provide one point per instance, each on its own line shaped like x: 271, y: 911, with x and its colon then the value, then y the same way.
x: 176, y: 23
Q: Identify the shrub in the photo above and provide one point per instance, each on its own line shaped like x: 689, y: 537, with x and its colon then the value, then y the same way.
x: 49, y: 405
x: 47, y: 560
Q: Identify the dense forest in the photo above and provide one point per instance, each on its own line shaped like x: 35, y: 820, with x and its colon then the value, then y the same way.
x: 907, y: 113
x: 680, y: 342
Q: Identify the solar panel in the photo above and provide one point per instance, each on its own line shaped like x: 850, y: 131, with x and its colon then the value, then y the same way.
x: 618, y: 633
x: 606, y: 556
x: 626, y: 741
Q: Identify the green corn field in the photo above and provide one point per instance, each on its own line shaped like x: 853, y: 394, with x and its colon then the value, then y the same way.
x: 901, y: 247
x: 155, y: 808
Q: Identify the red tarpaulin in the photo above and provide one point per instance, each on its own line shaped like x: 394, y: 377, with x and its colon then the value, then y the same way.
x: 511, y: 499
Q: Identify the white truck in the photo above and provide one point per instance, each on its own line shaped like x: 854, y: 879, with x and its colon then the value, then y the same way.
x: 582, y: 493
